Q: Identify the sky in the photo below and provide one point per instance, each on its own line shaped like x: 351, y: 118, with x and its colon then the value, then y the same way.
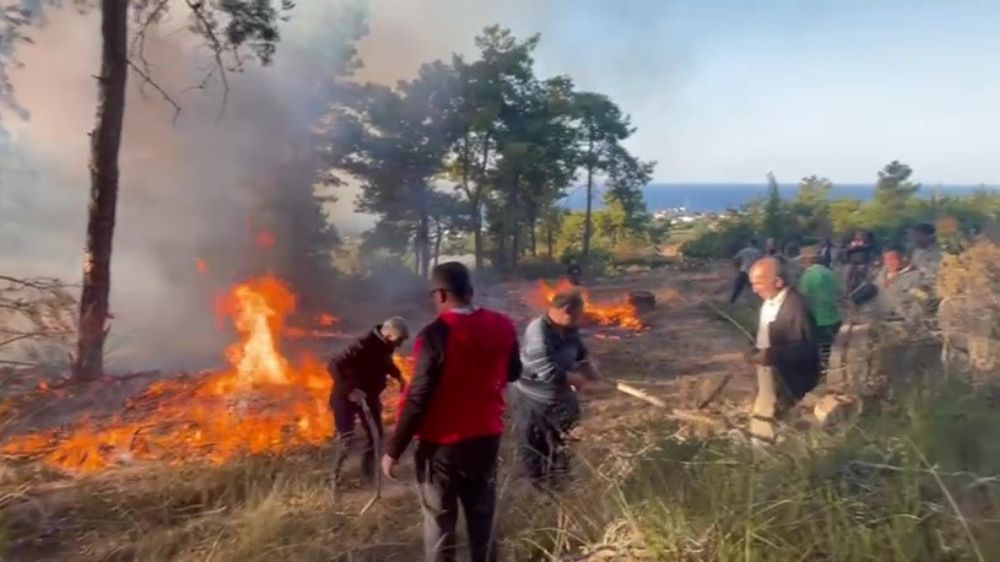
x: 727, y: 90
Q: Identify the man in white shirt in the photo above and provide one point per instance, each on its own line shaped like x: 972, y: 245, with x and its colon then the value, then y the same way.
x: 787, y: 356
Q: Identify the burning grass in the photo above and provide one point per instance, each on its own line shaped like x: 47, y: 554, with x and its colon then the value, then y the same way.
x: 264, y: 403
x: 916, y: 481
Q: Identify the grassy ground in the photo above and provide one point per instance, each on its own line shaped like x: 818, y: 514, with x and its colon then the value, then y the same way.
x: 911, y: 481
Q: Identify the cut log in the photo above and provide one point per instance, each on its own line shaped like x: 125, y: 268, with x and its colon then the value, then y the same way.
x: 643, y: 301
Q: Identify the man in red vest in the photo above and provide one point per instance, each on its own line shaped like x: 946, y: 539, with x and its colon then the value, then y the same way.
x: 454, y: 407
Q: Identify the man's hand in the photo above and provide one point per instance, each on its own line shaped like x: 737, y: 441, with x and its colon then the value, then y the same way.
x: 389, y: 467
x: 356, y: 396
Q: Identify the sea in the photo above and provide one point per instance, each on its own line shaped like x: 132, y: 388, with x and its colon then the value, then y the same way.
x: 717, y: 197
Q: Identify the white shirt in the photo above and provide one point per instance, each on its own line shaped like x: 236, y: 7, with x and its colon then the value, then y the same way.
x: 768, y: 312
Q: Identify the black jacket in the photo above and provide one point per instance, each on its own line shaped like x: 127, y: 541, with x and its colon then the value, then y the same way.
x: 793, y: 352
x: 364, y: 365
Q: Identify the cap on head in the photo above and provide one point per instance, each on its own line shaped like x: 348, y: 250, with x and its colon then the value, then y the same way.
x: 453, y: 278
x: 395, y: 328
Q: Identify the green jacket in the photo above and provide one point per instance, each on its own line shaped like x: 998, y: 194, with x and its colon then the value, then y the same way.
x: 819, y: 285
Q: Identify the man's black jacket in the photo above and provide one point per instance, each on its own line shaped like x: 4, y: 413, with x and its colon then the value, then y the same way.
x: 793, y: 352
x: 364, y: 365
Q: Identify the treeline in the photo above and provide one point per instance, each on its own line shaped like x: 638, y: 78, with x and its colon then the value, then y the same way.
x: 481, y: 151
x: 811, y: 215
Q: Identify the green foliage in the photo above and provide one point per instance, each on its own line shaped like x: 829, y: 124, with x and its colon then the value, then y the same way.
x: 812, y: 215
x: 723, y: 241
x: 509, y: 143
x: 774, y: 211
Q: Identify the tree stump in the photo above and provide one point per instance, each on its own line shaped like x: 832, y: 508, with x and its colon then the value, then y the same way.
x: 643, y: 301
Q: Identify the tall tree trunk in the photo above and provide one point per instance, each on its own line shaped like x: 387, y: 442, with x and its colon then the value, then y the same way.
x: 587, y: 227
x: 105, y: 142
x: 534, y: 239
x: 513, y: 224
x: 549, y: 238
x: 437, y: 243
x: 424, y: 241
x: 477, y: 203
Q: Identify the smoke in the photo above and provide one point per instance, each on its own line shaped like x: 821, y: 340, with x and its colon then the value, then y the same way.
x: 189, y: 187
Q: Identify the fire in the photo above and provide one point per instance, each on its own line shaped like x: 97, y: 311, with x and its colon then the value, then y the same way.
x: 202, y: 265
x: 621, y: 313
x: 263, y: 403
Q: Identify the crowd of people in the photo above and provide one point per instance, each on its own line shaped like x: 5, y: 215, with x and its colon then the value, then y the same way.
x: 454, y: 405
x: 469, y: 361
x: 803, y: 298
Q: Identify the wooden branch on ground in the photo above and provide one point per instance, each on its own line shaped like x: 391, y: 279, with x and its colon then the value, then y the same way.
x: 675, y: 413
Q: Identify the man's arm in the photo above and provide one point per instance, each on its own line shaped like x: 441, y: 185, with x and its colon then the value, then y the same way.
x: 430, y: 359
x: 341, y: 367
x: 514, y: 362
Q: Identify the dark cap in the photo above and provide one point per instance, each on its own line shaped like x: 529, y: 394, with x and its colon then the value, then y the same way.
x: 454, y: 278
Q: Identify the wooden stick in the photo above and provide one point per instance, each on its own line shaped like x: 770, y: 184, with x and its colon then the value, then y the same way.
x: 675, y: 413
x: 377, y: 440
x: 640, y: 394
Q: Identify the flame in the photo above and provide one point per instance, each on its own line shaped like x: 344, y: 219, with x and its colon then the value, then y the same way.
x: 202, y: 265
x: 262, y: 404
x: 326, y: 319
x: 621, y: 313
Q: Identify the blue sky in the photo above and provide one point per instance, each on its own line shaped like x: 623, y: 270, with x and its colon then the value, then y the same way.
x: 727, y: 90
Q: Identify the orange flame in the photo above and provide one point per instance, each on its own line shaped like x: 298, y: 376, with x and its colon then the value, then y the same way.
x: 261, y: 404
x: 202, y: 265
x: 622, y: 313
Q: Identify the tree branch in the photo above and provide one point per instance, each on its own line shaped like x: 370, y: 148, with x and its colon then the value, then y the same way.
x: 163, y: 93
x: 218, y: 47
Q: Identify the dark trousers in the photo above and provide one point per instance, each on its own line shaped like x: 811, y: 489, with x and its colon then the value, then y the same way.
x: 825, y: 335
x: 345, y: 415
x: 447, y: 475
x: 541, y: 430
x: 741, y: 283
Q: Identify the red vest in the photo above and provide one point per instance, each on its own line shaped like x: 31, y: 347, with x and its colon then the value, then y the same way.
x: 468, y: 401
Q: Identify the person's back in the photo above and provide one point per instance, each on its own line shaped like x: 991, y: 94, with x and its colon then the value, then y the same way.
x: 748, y: 256
x: 819, y: 286
x: 469, y: 402
x: 454, y: 405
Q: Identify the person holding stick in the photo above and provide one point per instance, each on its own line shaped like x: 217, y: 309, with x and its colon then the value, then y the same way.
x: 359, y: 377
x: 454, y: 407
x: 786, y: 354
x: 556, y: 363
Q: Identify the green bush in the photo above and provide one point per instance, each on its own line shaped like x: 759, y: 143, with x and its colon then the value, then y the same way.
x: 722, y: 242
x: 915, y: 481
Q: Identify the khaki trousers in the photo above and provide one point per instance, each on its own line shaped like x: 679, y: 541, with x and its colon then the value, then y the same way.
x: 771, y: 404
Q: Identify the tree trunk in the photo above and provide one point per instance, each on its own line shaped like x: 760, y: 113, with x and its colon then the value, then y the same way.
x: 587, y: 227
x: 477, y: 234
x: 549, y: 238
x: 105, y: 141
x: 437, y: 243
x: 534, y: 239
x: 477, y: 218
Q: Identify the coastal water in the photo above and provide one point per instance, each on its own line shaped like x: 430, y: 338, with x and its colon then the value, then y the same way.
x: 717, y: 197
